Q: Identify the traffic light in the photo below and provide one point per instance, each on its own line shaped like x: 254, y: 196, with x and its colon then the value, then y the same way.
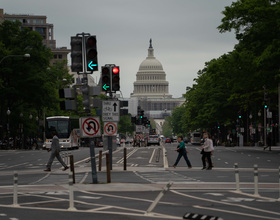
x: 115, y: 78
x: 133, y: 120
x: 70, y: 95
x: 91, y: 53
x: 76, y: 54
x: 105, y: 79
x: 86, y: 98
x: 265, y: 106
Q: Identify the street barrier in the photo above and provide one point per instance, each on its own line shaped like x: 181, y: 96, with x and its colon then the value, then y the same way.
x: 279, y: 185
x: 108, y: 169
x: 256, y: 180
x: 124, y: 158
x: 15, y: 194
x: 71, y: 193
x: 237, y: 177
x: 100, y: 160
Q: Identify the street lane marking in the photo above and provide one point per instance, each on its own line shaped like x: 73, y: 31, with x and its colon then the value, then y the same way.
x: 233, y: 212
x: 152, y: 156
x: 15, y: 166
x: 229, y: 204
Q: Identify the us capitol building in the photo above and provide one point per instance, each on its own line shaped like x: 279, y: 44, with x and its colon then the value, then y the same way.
x: 151, y: 90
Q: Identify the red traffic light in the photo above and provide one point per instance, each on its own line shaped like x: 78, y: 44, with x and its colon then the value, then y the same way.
x: 116, y: 70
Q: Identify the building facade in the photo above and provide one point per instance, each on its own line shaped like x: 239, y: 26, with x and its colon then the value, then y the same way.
x: 39, y: 24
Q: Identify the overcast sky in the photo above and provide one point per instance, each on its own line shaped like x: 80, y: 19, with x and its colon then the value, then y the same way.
x: 184, y: 33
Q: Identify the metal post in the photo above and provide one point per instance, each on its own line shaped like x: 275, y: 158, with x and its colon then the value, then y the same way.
x: 160, y: 195
x: 124, y: 158
x: 15, y: 197
x: 108, y: 168
x: 93, y: 162
x: 237, y: 177
x: 256, y: 190
x: 279, y: 185
x: 100, y: 160
x: 72, y: 167
x: 110, y: 148
x: 71, y: 193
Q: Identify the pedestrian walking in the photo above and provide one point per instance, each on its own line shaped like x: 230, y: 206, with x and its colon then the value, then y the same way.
x: 207, y: 150
x: 182, y: 152
x: 55, y: 149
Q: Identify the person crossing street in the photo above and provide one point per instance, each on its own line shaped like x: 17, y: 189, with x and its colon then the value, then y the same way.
x: 55, y: 149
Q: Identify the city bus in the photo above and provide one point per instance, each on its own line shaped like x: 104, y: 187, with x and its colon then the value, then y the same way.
x: 67, y: 130
x: 195, y: 138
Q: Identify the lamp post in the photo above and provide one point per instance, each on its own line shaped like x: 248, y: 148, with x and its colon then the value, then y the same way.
x: 21, y: 131
x: 8, y: 128
x: 251, y: 127
x: 27, y: 55
x: 259, y: 127
x: 30, y: 138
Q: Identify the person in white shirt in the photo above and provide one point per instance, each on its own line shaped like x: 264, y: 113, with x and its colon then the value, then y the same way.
x: 207, y: 148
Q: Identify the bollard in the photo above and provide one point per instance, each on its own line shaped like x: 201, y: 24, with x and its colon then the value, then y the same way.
x: 108, y: 168
x: 279, y: 185
x: 237, y: 177
x: 100, y: 160
x: 15, y: 197
x: 256, y: 193
x: 72, y: 168
x: 124, y: 158
x: 71, y: 193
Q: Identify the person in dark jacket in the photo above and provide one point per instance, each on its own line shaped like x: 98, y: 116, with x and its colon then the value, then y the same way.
x: 182, y: 152
x: 55, y: 149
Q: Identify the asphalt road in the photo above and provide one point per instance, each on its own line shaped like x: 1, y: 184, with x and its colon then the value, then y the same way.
x: 194, y: 192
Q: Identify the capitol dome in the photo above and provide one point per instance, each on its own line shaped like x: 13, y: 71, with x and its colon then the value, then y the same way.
x: 150, y: 78
x: 151, y: 63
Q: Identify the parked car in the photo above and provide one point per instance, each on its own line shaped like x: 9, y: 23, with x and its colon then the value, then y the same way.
x: 153, y: 139
x: 168, y: 140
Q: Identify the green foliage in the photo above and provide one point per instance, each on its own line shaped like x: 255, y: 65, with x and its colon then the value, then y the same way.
x: 234, y: 82
x: 125, y: 126
x: 167, y: 127
x: 27, y: 85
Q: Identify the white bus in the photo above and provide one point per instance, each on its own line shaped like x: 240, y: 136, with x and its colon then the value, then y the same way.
x: 195, y: 138
x: 67, y: 129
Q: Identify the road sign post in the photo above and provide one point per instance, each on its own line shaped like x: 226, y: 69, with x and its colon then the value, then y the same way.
x: 90, y: 128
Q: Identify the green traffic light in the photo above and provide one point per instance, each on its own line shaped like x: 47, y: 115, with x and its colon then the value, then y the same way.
x: 239, y: 116
x: 265, y: 106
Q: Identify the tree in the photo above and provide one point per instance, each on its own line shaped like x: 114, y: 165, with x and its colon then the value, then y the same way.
x: 27, y: 85
x: 167, y: 128
x: 125, y: 125
x: 234, y: 82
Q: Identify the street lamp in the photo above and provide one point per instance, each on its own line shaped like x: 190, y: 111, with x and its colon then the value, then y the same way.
x: 27, y: 55
x: 30, y: 138
x: 8, y: 128
x: 21, y: 131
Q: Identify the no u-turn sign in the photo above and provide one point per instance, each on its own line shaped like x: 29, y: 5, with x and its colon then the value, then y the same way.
x: 90, y: 127
x: 110, y: 128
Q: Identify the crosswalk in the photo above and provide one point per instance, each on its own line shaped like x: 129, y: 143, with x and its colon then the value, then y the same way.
x: 164, y: 177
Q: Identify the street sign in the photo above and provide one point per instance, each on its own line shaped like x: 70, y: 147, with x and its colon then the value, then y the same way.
x: 110, y: 128
x: 90, y: 126
x: 111, y: 110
